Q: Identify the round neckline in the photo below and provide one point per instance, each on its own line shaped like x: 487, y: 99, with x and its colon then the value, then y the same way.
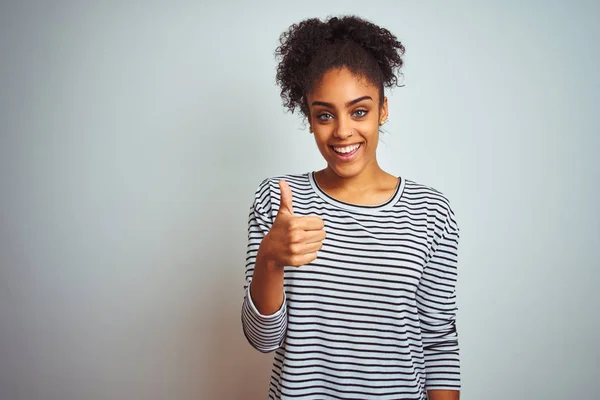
x: 357, y: 207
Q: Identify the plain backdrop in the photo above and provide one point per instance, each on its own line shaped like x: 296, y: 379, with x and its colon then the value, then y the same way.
x: 133, y: 136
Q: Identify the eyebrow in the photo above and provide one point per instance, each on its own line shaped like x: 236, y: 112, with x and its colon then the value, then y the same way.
x: 348, y: 104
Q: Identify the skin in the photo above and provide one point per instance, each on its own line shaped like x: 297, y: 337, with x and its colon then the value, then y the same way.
x: 344, y: 109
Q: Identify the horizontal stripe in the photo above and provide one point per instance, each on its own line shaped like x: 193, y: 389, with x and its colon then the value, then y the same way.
x: 374, y: 315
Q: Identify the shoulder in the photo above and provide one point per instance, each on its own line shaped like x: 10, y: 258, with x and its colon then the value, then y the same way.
x: 294, y: 180
x: 268, y: 189
x: 419, y: 191
x: 433, y: 199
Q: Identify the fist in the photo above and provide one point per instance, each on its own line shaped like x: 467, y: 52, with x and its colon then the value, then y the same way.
x: 293, y: 240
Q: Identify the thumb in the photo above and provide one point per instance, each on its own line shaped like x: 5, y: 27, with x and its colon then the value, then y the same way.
x: 286, y: 198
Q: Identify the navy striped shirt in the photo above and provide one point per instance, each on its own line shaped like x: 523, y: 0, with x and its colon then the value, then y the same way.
x: 374, y: 315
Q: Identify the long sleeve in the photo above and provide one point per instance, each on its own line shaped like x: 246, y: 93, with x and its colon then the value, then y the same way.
x: 264, y: 332
x: 436, y: 303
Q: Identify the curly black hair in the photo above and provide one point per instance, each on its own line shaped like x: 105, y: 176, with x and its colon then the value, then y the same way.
x: 312, y: 47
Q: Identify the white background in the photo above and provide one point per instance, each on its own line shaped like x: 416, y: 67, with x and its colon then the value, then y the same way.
x: 133, y: 138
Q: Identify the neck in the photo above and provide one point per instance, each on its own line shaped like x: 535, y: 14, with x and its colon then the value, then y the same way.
x: 367, y: 178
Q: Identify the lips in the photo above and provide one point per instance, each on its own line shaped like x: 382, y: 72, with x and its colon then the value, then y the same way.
x: 346, y: 149
x: 346, y: 152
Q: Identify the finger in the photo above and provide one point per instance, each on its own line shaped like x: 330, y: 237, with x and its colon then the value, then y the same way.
x: 301, y: 249
x: 308, y: 223
x: 286, y: 198
x: 314, y: 236
x: 310, y: 248
x: 298, y: 261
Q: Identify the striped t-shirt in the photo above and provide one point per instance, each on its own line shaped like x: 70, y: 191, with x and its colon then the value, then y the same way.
x: 373, y: 317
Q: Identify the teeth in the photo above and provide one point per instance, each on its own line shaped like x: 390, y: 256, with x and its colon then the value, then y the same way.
x: 347, y: 149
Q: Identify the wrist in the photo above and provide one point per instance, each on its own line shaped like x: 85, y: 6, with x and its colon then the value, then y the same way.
x: 264, y: 259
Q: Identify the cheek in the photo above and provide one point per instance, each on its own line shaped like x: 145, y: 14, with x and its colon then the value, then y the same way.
x: 371, y: 134
x: 369, y: 127
x: 320, y: 140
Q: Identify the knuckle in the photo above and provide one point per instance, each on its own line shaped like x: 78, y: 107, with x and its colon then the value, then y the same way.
x: 290, y: 236
x: 293, y: 223
x: 295, y: 236
x: 294, y: 249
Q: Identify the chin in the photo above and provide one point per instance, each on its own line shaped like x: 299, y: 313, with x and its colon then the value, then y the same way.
x: 347, y: 171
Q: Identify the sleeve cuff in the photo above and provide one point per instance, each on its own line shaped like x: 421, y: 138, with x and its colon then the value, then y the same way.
x: 263, y: 317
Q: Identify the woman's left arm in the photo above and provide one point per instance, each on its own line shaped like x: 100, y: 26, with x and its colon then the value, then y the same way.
x: 436, y: 303
x: 443, y: 395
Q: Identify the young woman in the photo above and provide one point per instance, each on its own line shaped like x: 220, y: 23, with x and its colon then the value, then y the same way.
x: 351, y: 271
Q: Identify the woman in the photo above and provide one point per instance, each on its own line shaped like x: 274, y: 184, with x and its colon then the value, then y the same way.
x: 351, y: 271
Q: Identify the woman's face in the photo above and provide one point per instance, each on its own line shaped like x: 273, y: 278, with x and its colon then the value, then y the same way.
x: 345, y: 115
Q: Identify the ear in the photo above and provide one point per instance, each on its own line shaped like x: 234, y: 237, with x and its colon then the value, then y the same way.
x: 383, y: 112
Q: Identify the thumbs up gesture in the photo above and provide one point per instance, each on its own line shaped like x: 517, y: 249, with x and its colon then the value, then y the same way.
x: 293, y: 240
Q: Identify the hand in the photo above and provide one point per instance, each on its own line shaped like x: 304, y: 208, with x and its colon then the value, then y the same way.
x: 293, y: 240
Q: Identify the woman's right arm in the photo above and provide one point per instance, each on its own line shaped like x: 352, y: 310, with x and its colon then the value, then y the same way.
x: 266, y: 290
x: 289, y: 240
x: 264, y: 324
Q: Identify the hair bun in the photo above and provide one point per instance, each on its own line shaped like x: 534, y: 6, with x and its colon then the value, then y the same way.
x: 310, y: 48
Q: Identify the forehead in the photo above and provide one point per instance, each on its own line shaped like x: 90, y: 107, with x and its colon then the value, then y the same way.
x: 341, y: 85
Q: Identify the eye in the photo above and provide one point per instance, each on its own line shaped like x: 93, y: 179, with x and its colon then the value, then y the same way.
x: 324, y: 116
x: 360, y: 113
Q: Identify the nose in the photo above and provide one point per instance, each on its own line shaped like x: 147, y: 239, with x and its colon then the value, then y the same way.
x: 343, y: 129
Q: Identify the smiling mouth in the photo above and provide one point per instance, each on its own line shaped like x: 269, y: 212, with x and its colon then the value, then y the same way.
x: 346, y: 153
x: 346, y: 150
